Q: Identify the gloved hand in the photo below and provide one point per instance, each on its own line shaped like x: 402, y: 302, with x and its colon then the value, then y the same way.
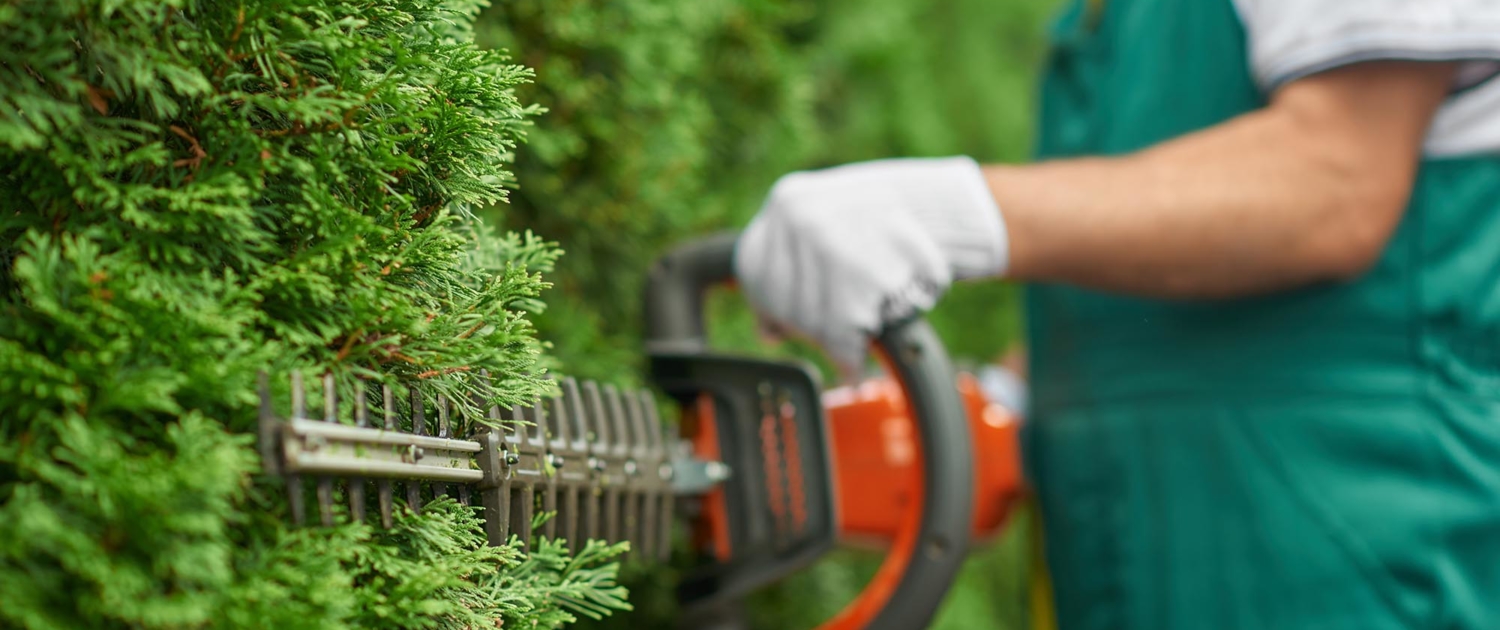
x: 838, y: 254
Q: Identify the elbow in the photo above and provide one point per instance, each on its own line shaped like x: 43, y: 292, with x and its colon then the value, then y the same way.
x: 1355, y: 196
x: 1355, y: 259
x: 1354, y: 233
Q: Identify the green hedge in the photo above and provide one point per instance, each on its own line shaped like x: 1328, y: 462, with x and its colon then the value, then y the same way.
x: 668, y: 118
x: 195, y: 192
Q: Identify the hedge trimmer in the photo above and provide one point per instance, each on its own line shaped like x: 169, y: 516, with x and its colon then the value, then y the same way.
x: 767, y: 471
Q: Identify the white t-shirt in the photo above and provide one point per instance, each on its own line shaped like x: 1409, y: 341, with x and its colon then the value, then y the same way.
x: 1291, y: 39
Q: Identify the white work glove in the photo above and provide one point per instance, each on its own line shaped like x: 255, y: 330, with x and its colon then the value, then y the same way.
x: 838, y: 254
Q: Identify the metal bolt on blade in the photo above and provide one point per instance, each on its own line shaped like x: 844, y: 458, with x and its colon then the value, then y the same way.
x: 716, y: 471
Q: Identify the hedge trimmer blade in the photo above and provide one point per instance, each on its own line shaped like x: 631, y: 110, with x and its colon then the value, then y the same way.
x: 595, y: 457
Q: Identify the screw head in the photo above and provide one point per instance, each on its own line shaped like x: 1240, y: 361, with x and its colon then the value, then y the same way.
x: 414, y: 454
x: 631, y: 468
x: 596, y: 464
x: 511, y: 459
x: 665, y: 472
x: 555, y: 460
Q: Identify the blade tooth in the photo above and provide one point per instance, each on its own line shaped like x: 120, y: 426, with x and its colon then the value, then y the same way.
x: 619, y: 431
x: 388, y: 402
x: 664, y: 533
x: 325, y: 484
x: 647, y: 530
x: 632, y: 520
x: 649, y: 422
x: 549, y: 504
x: 619, y: 512
x: 639, y: 515
x: 388, y: 411
x: 523, y: 505
x: 482, y: 404
x: 558, y: 418
x: 330, y: 399
x: 383, y: 489
x: 593, y: 500
x: 463, y: 428
x: 496, y: 514
x: 325, y: 501
x: 575, y: 453
x: 357, y: 498
x: 463, y: 423
x: 361, y: 406
x: 517, y: 427
x: 357, y: 484
x: 294, y: 498
x: 538, y: 440
x: 499, y: 511
x: 666, y: 497
x: 656, y: 493
x: 596, y: 435
x: 294, y: 482
x: 441, y: 489
x: 634, y: 415
x: 539, y: 429
x: 569, y: 515
x: 418, y: 413
x: 572, y: 420
x: 596, y: 428
x: 491, y: 411
x: 418, y: 427
x: 269, y: 427
x: 613, y: 525
x: 299, y: 396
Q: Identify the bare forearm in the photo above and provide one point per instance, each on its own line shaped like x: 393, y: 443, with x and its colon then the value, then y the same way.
x: 1275, y: 199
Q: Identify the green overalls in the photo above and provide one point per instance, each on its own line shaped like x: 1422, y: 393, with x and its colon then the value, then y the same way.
x: 1323, y: 458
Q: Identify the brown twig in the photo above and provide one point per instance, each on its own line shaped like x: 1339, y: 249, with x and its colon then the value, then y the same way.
x: 471, y: 331
x: 197, y: 149
x: 349, y: 345
x: 432, y: 373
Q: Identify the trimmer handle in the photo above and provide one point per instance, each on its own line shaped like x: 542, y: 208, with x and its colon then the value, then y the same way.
x: 924, y: 559
x: 675, y: 291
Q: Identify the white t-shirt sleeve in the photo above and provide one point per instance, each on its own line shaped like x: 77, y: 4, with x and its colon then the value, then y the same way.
x: 1291, y: 39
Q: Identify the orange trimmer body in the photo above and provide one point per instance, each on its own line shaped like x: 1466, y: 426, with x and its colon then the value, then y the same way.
x: 877, y: 477
x: 877, y: 465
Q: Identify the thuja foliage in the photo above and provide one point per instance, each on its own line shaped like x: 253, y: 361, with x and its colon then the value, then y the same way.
x: 193, y: 192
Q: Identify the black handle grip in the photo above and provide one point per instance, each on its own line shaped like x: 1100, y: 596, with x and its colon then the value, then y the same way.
x: 921, y: 364
x: 674, y: 323
x: 675, y: 288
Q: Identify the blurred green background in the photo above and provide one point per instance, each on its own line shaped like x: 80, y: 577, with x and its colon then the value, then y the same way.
x: 669, y: 118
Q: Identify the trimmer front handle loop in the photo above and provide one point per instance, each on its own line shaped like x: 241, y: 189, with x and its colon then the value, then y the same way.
x: 928, y: 550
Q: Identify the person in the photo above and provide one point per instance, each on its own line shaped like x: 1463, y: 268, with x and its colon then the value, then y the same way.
x: 1262, y: 249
